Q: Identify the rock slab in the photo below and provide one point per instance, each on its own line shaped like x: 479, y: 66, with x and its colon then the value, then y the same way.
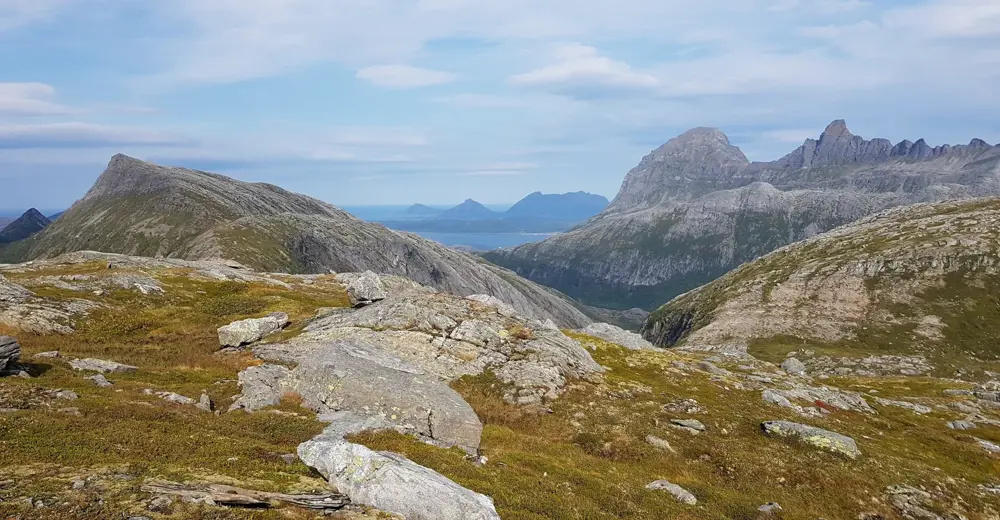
x: 618, y: 336
x: 391, y: 482
x: 101, y: 365
x: 813, y: 436
x: 682, y: 495
x: 244, y: 332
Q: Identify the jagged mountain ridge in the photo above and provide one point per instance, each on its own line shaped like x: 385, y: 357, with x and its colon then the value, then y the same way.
x: 696, y: 208
x: 142, y: 209
x: 31, y: 222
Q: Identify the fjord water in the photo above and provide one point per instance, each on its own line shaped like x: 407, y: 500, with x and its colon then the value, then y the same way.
x: 473, y: 241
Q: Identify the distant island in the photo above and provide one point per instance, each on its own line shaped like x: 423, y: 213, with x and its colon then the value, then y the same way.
x: 536, y: 213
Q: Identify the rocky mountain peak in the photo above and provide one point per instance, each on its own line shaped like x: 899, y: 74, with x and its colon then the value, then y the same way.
x: 696, y: 162
x: 31, y: 222
x: 836, y: 129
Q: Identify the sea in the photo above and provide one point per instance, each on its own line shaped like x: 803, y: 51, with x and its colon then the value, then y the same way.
x: 469, y: 241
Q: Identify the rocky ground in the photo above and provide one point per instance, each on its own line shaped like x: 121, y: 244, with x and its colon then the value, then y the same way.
x: 331, y: 394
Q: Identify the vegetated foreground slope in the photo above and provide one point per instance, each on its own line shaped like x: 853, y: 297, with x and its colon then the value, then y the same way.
x: 137, y: 208
x: 696, y: 208
x: 923, y: 279
x: 679, y: 416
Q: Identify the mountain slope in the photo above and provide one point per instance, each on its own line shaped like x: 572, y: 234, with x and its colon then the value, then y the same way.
x: 922, y: 279
x: 141, y: 209
x: 695, y: 208
x: 576, y: 206
x: 31, y: 222
x: 469, y: 209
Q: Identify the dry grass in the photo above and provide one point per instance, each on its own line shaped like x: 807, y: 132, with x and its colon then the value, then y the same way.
x: 172, y: 339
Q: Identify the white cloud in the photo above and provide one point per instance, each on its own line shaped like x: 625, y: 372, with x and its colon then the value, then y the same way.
x: 471, y: 100
x: 404, y: 76
x: 500, y: 170
x: 581, y: 69
x: 82, y: 135
x: 374, y: 136
x: 29, y: 99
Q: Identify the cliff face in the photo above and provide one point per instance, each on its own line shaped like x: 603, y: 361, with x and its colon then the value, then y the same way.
x: 695, y: 208
x: 142, y: 209
x: 919, y: 279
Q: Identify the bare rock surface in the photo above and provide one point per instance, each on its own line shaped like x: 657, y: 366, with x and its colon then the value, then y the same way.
x: 617, y: 335
x: 245, y: 332
x: 388, y: 481
x: 450, y: 337
x: 816, y: 437
x: 101, y: 365
x: 359, y: 377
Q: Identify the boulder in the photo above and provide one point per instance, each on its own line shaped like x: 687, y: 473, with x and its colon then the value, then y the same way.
x: 682, y: 495
x: 692, y: 426
x: 366, y: 289
x: 101, y: 365
x: 794, y: 366
x: 244, y: 332
x: 618, y: 336
x: 390, y: 482
x: 813, y: 436
x: 360, y: 377
x: 10, y: 352
x: 100, y: 381
x: 962, y: 425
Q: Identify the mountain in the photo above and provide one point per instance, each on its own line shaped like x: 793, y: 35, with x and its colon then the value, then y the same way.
x: 919, y: 280
x: 468, y: 210
x: 420, y: 210
x: 696, y: 207
x: 142, y: 209
x: 577, y: 206
x: 31, y: 222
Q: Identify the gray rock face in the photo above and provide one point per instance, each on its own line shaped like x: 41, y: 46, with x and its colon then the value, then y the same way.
x: 794, y: 366
x: 696, y: 208
x: 10, y: 352
x: 813, y: 436
x: 101, y: 365
x: 682, y: 495
x: 390, y: 482
x: 617, y: 335
x: 450, y: 337
x: 200, y: 216
x: 366, y: 289
x: 245, y: 332
x: 359, y: 377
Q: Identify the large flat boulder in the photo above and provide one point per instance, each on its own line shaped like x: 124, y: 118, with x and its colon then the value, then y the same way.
x: 245, y: 332
x: 366, y: 289
x: 360, y: 377
x: 388, y: 481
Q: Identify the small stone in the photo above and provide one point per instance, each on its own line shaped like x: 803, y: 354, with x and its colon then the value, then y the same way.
x: 67, y: 395
x: 660, y: 444
x: 962, y: 425
x: 205, y: 403
x: 290, y: 458
x: 794, y: 366
x: 769, y: 508
x: 175, y: 398
x: 70, y: 411
x: 692, y: 426
x: 160, y: 505
x: 79, y: 484
x: 100, y: 381
x: 49, y: 354
x: 682, y: 495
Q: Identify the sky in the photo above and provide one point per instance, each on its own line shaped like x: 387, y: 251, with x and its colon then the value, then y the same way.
x: 364, y: 102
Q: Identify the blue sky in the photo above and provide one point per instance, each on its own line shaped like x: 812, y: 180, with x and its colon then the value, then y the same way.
x: 435, y: 101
